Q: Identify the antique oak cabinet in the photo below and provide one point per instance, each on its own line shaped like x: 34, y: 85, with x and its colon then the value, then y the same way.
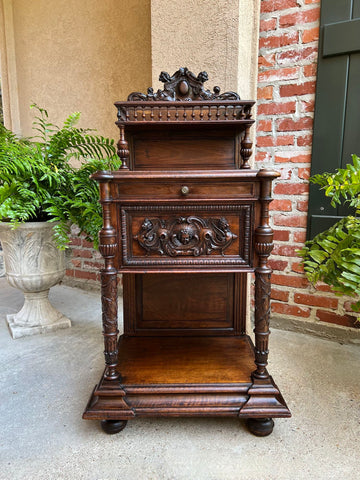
x: 185, y: 220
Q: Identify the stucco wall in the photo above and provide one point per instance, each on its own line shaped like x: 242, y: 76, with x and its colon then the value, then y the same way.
x: 74, y: 55
x: 218, y: 36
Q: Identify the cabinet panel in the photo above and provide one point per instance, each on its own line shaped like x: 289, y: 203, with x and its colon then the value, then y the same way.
x: 155, y: 236
x: 185, y: 304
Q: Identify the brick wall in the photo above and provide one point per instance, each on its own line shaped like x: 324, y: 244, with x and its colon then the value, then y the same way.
x: 288, y: 43
x: 83, y: 263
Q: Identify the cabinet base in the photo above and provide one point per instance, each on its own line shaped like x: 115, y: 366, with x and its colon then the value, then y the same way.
x: 204, y: 363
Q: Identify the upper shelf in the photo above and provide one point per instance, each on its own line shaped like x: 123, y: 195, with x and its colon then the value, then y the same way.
x: 184, y: 100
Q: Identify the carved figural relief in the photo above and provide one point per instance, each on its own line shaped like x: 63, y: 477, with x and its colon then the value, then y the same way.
x: 183, y: 85
x: 185, y: 236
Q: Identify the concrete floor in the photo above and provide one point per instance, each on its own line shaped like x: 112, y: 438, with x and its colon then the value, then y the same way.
x: 47, y: 379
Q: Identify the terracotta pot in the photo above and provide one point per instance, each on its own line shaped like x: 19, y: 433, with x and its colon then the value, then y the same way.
x: 33, y: 264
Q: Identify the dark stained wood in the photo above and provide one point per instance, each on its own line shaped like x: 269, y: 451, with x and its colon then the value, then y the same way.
x: 185, y: 220
x: 113, y: 426
x: 261, y: 427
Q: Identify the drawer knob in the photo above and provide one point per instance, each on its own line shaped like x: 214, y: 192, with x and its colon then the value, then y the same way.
x: 185, y: 190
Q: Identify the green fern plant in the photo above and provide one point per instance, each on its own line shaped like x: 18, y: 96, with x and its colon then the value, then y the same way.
x: 333, y: 256
x: 39, y: 181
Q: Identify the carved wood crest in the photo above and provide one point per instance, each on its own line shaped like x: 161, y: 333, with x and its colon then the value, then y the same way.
x: 183, y: 85
x: 185, y: 236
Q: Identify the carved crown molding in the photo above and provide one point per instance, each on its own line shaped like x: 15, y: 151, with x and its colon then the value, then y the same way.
x: 183, y: 85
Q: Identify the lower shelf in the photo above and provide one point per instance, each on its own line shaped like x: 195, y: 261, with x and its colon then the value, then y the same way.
x: 185, y: 376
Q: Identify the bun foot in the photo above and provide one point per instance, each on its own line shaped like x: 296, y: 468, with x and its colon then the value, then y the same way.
x: 113, y: 426
x: 261, y: 427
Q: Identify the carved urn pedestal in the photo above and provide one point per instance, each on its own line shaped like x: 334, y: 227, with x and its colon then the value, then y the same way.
x: 33, y: 264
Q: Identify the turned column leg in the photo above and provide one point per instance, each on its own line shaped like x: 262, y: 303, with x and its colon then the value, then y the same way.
x: 262, y: 317
x: 263, y: 248
x: 109, y: 294
x: 109, y: 280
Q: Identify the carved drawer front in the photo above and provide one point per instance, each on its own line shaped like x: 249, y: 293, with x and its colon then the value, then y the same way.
x: 185, y: 190
x: 155, y: 236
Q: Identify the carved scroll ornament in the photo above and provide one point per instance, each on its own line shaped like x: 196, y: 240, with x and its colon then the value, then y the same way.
x: 185, y: 86
x: 185, y: 236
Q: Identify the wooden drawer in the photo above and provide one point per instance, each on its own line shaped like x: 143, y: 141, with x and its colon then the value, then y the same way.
x: 184, y: 237
x: 184, y: 190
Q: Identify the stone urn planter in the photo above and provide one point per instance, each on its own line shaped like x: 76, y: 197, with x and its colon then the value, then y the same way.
x: 33, y: 264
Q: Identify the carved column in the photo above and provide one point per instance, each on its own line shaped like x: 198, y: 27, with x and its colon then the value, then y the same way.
x: 123, y: 148
x: 109, y: 281
x: 263, y: 248
x: 246, y: 149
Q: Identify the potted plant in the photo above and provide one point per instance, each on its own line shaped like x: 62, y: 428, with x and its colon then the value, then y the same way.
x: 44, y: 188
x: 333, y: 256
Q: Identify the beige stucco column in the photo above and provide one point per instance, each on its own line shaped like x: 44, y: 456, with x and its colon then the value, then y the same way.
x: 218, y: 36
x: 72, y: 55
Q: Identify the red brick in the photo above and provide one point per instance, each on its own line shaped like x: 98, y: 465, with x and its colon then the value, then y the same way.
x: 279, y: 295
x: 316, y: 301
x: 308, y: 106
x: 290, y: 220
x: 294, y: 90
x: 300, y: 17
x: 82, y: 253
x: 285, y: 173
x: 305, y: 158
x: 85, y: 275
x: 276, y: 108
x: 310, y: 35
x: 76, y: 262
x: 304, y: 140
x: 286, y: 309
x: 302, y: 205
x: 296, y: 56
x: 290, y: 125
x: 297, y: 267
x: 281, y: 205
x: 283, y: 140
x: 277, y: 41
x: 262, y: 156
x: 274, y: 5
x: 285, y: 250
x: 264, y: 126
x: 265, y: 93
x: 69, y: 273
x: 331, y: 317
x: 279, y: 74
x: 268, y: 24
x: 322, y: 287
x: 304, y: 173
x: 266, y: 141
x: 266, y: 60
x: 93, y: 265
x: 75, y: 241
x: 289, y: 280
x: 300, y: 237
x: 278, y: 264
x: 310, y: 70
x: 87, y: 244
x: 291, y: 188
x: 281, y: 235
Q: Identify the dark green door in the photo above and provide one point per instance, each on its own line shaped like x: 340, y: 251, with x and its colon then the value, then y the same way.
x: 337, y: 105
